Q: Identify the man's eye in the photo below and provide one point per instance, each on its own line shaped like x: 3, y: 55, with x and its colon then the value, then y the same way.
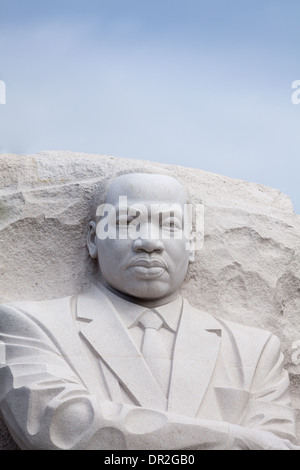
x: 125, y: 221
x: 171, y: 224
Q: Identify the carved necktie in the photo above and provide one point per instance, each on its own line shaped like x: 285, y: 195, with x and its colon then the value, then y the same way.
x: 153, y: 349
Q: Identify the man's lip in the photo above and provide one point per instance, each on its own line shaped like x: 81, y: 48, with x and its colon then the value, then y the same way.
x: 149, y: 263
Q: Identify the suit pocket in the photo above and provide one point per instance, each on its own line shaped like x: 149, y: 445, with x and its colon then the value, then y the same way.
x: 232, y: 403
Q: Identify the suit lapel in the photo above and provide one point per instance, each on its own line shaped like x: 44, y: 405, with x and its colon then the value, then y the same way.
x: 195, y: 354
x: 101, y: 326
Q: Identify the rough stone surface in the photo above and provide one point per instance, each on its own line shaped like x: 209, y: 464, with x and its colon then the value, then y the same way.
x: 248, y: 270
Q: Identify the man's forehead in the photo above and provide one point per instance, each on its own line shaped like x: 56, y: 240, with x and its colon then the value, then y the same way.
x: 142, y: 187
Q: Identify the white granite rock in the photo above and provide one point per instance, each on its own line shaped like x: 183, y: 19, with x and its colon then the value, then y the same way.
x: 248, y: 270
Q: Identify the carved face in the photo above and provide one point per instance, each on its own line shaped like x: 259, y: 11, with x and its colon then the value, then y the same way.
x: 149, y: 256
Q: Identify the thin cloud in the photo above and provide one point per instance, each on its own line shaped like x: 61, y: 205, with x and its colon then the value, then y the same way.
x: 121, y: 92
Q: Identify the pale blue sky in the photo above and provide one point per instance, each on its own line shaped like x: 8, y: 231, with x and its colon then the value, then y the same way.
x: 204, y: 84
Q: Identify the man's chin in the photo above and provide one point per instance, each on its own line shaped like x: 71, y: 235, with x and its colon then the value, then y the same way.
x: 148, y: 289
x: 144, y: 291
x: 154, y: 295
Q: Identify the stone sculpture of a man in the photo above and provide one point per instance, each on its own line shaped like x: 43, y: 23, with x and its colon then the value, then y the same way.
x: 130, y: 364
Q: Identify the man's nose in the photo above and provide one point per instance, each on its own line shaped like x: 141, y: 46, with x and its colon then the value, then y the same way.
x: 149, y: 245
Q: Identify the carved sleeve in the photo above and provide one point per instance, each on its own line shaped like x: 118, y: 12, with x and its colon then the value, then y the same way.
x: 270, y: 408
x: 43, y: 402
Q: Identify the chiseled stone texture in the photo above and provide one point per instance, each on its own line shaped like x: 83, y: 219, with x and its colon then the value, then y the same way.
x: 248, y: 270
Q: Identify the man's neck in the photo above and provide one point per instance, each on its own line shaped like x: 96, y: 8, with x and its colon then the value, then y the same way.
x: 147, y: 303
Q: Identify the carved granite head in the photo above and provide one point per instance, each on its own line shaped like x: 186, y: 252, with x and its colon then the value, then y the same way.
x: 142, y: 237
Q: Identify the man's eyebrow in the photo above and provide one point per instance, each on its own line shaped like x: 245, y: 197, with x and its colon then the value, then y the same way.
x: 167, y: 212
x: 154, y: 209
x: 126, y: 209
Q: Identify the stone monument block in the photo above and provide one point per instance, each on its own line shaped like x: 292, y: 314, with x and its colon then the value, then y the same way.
x: 247, y: 272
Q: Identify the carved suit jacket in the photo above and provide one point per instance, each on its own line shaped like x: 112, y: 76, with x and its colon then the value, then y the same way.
x: 63, y: 362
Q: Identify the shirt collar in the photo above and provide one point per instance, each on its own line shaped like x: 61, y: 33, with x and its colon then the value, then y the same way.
x: 130, y: 312
x: 171, y: 313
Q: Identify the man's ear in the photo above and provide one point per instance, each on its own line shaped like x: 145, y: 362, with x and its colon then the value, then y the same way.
x: 91, y: 240
x: 192, y: 246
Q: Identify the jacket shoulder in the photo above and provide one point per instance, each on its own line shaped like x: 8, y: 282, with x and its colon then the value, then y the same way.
x: 245, y: 330
x: 254, y: 345
x: 16, y: 318
x: 248, y: 340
